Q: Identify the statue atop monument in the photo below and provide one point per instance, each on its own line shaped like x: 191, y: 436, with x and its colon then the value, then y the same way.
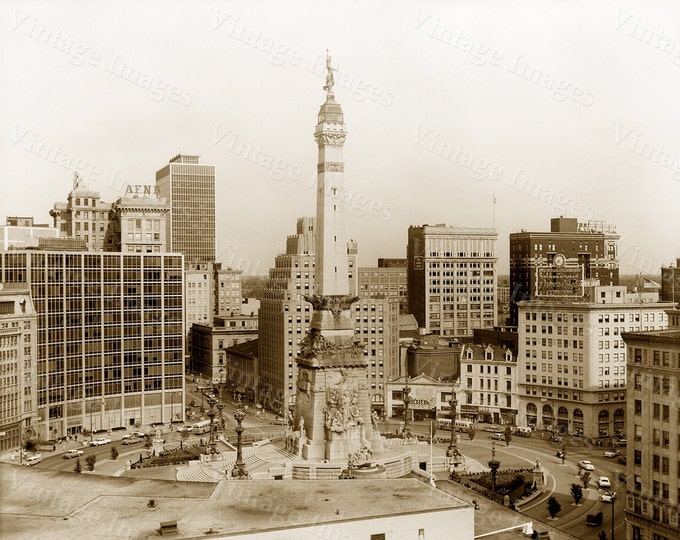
x: 330, y: 81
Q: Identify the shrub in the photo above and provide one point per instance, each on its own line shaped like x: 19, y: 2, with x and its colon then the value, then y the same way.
x: 577, y: 493
x: 114, y: 453
x: 91, y: 460
x: 554, y: 507
x: 78, y: 468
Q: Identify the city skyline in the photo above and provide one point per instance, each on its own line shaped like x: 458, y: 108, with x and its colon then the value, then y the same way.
x: 449, y: 109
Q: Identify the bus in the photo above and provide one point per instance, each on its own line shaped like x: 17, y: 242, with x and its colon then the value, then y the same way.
x: 201, y: 427
x: 461, y: 425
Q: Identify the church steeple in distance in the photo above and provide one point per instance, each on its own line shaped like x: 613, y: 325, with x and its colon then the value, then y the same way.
x: 331, y: 241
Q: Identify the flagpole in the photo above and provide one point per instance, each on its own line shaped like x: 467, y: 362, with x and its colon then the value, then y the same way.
x: 493, y: 211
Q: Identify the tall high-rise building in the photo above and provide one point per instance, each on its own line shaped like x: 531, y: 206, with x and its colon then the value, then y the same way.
x: 560, y: 263
x: 572, y: 359
x: 110, y: 337
x: 189, y: 188
x: 17, y: 364
x: 452, y: 278
x: 652, y: 495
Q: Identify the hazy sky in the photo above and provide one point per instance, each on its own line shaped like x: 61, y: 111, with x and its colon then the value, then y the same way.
x: 557, y: 108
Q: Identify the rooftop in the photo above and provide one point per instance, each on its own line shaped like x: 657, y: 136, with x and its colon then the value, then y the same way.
x: 40, y: 503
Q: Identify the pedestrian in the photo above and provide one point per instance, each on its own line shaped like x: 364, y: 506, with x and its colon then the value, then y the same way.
x: 54, y: 447
x: 12, y: 456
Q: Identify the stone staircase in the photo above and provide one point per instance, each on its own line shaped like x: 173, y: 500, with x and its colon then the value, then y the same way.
x: 198, y: 473
x: 290, y: 456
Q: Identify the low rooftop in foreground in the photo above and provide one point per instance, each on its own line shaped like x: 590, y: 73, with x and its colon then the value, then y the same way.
x: 38, y: 503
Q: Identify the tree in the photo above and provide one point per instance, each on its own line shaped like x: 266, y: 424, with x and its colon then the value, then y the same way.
x: 508, y: 434
x: 78, y: 468
x: 91, y: 460
x: 554, y: 507
x: 471, y: 432
x: 585, y: 478
x: 577, y: 493
x: 184, y: 434
x: 114, y: 453
x: 602, y: 535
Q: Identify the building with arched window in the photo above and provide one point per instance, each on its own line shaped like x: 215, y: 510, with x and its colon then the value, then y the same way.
x: 572, y: 359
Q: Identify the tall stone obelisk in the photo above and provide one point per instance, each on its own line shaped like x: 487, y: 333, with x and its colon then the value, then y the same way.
x: 332, y: 409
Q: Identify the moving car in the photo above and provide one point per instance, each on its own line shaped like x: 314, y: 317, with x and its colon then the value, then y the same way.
x: 586, y: 465
x: 188, y: 429
x: 279, y: 421
x: 604, y: 482
x: 130, y: 439
x: 607, y: 497
x: 70, y: 454
x: 29, y: 461
x: 612, y: 453
x: 99, y: 442
x: 139, y: 434
x: 498, y: 436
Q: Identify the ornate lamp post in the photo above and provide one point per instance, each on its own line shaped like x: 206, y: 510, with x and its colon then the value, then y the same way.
x: 211, y: 414
x: 494, y: 465
x: 407, y: 400
x: 452, y: 452
x: 239, y: 470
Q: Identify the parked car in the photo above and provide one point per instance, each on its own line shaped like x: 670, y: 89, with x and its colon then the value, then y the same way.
x: 492, y: 429
x: 497, y: 436
x: 101, y: 441
x: 620, y: 442
x: 586, y: 465
x: 70, y: 454
x: 612, y: 453
x: 607, y: 497
x: 279, y: 421
x: 130, y: 439
x: 604, y: 482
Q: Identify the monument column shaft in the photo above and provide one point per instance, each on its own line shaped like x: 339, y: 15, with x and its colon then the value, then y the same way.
x: 331, y: 272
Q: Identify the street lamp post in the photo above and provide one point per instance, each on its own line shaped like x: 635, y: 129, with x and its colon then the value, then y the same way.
x: 613, y: 497
x: 494, y: 465
x: 239, y: 470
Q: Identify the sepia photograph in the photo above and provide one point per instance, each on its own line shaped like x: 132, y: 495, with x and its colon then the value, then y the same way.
x: 322, y: 270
